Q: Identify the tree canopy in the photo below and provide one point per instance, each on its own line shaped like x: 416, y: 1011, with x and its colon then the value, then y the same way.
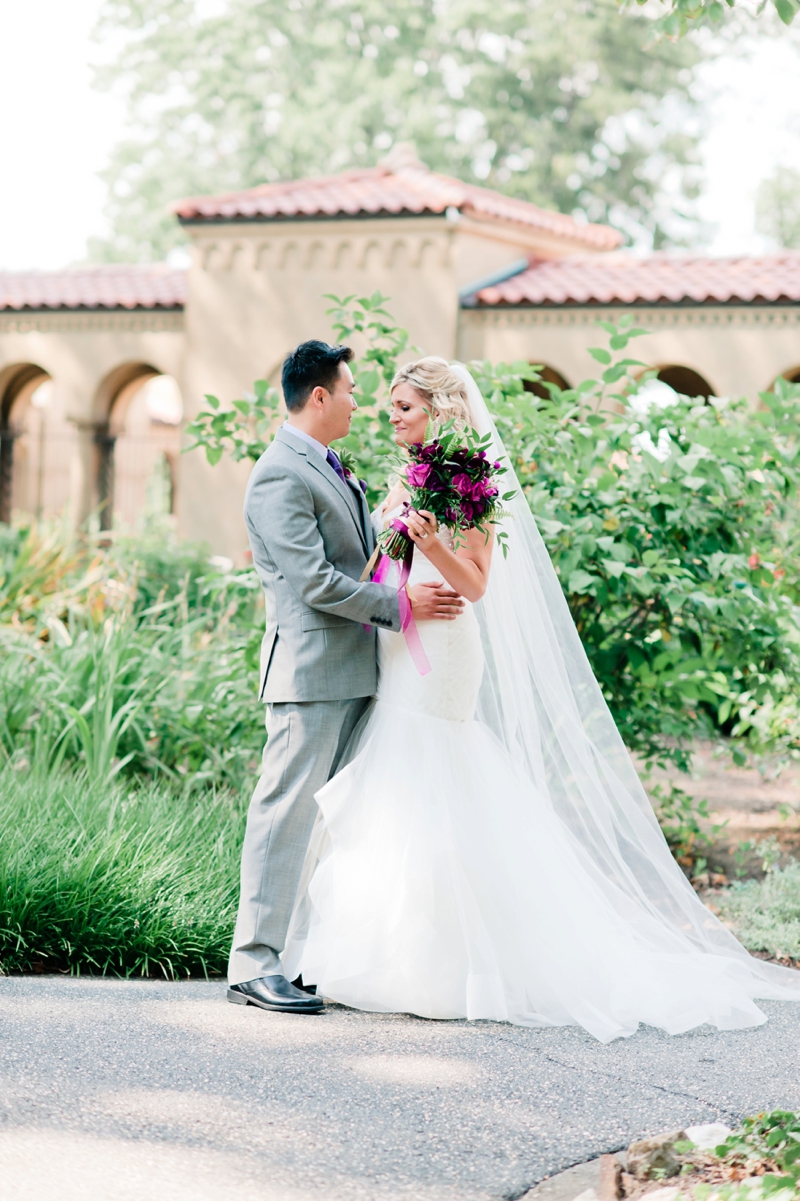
x: 778, y: 207
x: 556, y: 101
x: 683, y: 15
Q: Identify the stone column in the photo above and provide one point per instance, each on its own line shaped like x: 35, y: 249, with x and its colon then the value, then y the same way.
x: 93, y: 481
x: 7, y: 437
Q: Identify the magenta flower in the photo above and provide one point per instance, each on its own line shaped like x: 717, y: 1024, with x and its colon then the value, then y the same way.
x: 417, y: 474
x: 462, y: 484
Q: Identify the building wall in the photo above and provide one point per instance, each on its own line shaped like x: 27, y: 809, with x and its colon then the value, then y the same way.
x: 257, y: 290
x: 740, y: 350
x: 83, y: 353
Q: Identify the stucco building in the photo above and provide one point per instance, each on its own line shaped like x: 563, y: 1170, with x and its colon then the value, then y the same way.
x: 100, y: 366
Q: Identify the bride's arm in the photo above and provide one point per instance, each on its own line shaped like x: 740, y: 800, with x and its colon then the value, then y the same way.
x: 467, y: 569
x: 397, y: 495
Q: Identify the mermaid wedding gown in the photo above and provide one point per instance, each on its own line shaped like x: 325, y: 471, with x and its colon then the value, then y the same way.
x: 442, y: 882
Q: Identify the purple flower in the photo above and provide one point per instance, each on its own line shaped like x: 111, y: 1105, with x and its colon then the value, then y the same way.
x: 462, y: 484
x: 468, y: 509
x: 483, y: 490
x: 417, y: 474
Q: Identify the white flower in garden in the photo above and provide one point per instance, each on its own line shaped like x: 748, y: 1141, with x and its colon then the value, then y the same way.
x: 653, y: 392
x: 660, y: 450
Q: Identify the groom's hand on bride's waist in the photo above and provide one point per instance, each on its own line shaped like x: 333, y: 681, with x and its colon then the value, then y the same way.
x: 433, y: 601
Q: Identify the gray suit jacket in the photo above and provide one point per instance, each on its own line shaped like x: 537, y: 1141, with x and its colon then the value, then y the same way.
x: 311, y: 536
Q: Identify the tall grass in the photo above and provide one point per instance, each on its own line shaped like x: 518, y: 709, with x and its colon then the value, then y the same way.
x: 115, y: 879
x: 138, y: 658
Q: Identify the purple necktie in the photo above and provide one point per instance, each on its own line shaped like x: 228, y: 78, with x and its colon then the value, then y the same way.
x: 333, y: 459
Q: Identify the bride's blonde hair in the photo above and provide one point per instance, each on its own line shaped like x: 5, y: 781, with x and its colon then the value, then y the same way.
x: 444, y: 392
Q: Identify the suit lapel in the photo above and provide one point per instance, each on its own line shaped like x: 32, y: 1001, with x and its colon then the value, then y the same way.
x: 331, y: 478
x: 366, y: 516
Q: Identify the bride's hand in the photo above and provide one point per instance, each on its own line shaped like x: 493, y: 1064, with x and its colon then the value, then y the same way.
x: 422, y: 527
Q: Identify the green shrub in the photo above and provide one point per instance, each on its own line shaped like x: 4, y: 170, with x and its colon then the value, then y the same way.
x: 674, y: 531
x: 114, y: 879
x: 765, y: 914
x: 141, y: 658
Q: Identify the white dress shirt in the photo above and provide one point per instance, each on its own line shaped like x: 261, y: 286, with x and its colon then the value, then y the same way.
x: 298, y: 433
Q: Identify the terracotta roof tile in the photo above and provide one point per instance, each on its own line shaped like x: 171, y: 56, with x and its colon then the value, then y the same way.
x: 380, y: 190
x: 116, y: 286
x: 659, y: 279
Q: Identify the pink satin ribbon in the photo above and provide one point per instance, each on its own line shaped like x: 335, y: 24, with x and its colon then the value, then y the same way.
x: 407, y: 623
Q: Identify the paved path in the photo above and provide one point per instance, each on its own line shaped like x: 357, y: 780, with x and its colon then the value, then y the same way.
x: 116, y: 1090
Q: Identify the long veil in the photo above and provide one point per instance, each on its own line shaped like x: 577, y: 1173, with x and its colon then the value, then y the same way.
x: 540, y: 698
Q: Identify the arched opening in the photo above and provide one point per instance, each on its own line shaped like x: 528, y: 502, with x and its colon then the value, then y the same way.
x: 685, y: 381
x: 792, y: 376
x: 138, y: 444
x: 25, y: 393
x: 549, y: 375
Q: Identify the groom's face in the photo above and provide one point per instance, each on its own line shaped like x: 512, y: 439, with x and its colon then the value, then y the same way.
x: 338, y: 405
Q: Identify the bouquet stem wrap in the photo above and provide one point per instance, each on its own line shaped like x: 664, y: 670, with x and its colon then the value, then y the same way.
x: 395, y: 545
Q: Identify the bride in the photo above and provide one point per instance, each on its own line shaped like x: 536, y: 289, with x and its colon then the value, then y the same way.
x: 488, y: 851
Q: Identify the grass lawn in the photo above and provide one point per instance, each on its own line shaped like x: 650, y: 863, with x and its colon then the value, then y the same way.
x: 115, y: 879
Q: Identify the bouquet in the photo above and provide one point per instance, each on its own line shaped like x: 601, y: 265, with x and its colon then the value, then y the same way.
x: 453, y: 478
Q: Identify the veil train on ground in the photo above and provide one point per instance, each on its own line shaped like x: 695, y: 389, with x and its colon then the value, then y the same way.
x: 540, y: 698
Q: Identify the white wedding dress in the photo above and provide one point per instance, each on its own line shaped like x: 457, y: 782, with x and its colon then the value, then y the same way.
x: 507, y: 866
x: 444, y: 886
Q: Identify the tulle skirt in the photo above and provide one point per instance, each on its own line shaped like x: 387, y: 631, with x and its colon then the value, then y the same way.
x: 439, y: 884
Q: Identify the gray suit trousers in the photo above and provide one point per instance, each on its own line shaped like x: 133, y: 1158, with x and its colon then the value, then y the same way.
x: 305, y: 742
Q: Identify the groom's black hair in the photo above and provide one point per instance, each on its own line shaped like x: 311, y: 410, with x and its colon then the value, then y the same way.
x: 311, y: 365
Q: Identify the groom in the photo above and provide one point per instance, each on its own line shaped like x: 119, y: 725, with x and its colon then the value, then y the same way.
x: 311, y: 536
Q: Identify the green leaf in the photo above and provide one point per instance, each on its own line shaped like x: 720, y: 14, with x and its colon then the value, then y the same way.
x: 580, y: 580
x: 368, y: 381
x: 786, y: 11
x: 612, y: 374
x: 213, y: 454
x: 601, y: 355
x: 212, y: 400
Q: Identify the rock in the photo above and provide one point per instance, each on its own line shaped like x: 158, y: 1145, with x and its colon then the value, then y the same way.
x: 610, y: 1186
x: 657, y: 1154
x: 588, y: 1195
x: 707, y: 1137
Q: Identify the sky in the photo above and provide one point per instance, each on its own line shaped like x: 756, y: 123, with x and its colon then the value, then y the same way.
x: 56, y: 133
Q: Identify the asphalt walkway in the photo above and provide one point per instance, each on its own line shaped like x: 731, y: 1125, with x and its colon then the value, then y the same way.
x: 132, y: 1090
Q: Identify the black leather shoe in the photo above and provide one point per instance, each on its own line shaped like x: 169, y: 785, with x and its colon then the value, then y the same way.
x: 276, y: 993
x: 309, y: 988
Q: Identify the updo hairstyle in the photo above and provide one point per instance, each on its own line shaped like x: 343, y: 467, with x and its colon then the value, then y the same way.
x: 444, y: 392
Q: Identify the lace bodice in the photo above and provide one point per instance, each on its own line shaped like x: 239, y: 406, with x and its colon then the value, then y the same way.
x: 453, y: 648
